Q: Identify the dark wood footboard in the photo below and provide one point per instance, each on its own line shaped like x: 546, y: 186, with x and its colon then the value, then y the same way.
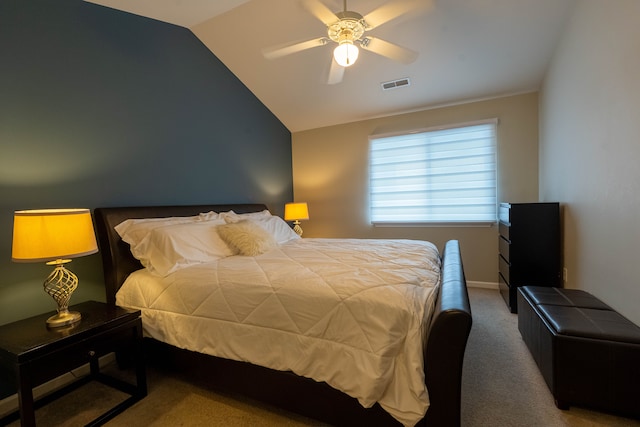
x: 447, y: 340
x: 443, y: 349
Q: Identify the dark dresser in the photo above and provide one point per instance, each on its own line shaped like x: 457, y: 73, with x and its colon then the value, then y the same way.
x: 529, y: 246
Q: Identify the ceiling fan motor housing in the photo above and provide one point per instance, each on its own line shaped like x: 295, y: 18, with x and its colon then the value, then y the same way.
x: 350, y: 27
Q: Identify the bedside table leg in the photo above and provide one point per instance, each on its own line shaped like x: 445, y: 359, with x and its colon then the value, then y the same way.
x: 25, y: 398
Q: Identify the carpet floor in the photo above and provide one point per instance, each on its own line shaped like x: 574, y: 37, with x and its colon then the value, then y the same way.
x: 501, y: 387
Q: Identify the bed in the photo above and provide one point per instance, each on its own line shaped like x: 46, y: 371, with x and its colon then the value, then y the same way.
x: 441, y: 341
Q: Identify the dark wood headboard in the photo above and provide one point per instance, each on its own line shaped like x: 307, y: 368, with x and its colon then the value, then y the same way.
x: 117, y: 261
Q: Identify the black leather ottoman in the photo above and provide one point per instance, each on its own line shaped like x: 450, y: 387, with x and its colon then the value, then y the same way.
x: 588, y: 354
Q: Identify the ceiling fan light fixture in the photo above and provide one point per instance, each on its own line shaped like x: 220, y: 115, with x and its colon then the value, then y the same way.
x: 346, y: 54
x: 347, y: 29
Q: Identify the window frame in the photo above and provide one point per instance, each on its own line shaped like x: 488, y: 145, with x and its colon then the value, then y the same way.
x: 434, y: 223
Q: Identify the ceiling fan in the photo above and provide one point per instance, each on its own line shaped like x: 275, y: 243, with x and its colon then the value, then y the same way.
x: 347, y: 29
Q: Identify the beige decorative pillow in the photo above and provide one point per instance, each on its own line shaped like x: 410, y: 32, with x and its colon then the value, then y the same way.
x: 247, y: 238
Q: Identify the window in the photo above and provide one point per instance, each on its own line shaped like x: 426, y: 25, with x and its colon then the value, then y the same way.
x: 435, y: 176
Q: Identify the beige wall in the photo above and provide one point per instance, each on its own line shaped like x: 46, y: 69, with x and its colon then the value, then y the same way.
x: 330, y: 173
x: 590, y: 149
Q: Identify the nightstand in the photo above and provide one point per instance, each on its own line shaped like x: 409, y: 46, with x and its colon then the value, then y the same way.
x: 31, y: 354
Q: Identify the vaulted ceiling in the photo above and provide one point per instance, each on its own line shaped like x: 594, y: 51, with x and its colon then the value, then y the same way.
x: 467, y: 50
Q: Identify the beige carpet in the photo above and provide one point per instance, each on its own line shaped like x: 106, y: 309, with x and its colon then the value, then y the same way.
x: 501, y: 384
x: 501, y: 387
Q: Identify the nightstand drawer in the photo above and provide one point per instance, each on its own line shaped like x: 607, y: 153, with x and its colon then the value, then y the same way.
x: 61, y: 361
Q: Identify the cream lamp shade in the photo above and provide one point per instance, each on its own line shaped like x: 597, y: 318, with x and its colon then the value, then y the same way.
x: 296, y: 212
x: 48, y: 234
x: 53, y: 236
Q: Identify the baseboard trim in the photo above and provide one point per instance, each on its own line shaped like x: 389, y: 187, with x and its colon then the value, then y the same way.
x: 483, y: 285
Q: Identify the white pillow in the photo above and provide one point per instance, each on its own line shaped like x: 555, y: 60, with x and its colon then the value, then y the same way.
x: 172, y: 247
x: 247, y: 238
x: 280, y: 230
x: 207, y: 216
x: 133, y: 231
x: 231, y: 216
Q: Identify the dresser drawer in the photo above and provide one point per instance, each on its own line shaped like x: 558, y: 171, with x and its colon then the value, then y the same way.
x: 504, y: 212
x: 504, y: 269
x: 504, y: 230
x: 508, y: 293
x: 503, y: 247
x: 502, y: 283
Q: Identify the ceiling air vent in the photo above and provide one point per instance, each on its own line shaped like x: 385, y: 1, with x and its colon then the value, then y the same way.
x: 395, y: 84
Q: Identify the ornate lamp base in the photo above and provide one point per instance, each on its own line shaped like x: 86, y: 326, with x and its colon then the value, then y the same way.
x: 63, y: 318
x: 60, y: 285
x: 297, y: 228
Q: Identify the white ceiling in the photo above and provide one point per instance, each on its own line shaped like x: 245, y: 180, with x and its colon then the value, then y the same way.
x: 468, y: 49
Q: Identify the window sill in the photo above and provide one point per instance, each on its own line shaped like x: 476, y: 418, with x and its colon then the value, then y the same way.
x: 436, y: 224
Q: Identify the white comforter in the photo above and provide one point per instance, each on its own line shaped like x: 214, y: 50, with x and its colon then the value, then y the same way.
x: 345, y: 311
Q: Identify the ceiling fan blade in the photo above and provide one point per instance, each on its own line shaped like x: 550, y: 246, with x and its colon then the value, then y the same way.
x: 390, y: 50
x: 289, y: 48
x: 390, y: 11
x: 320, y: 11
x: 336, y: 72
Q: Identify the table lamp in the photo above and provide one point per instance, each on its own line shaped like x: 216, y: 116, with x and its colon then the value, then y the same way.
x: 296, y: 212
x: 53, y: 236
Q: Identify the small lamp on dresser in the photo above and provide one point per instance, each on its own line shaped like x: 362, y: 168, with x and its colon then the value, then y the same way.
x: 53, y: 236
x: 296, y: 212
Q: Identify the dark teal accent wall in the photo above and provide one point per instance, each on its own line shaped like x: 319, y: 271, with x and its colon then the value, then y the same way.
x: 103, y: 108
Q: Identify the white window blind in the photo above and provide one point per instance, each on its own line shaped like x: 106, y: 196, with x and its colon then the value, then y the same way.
x: 440, y: 176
